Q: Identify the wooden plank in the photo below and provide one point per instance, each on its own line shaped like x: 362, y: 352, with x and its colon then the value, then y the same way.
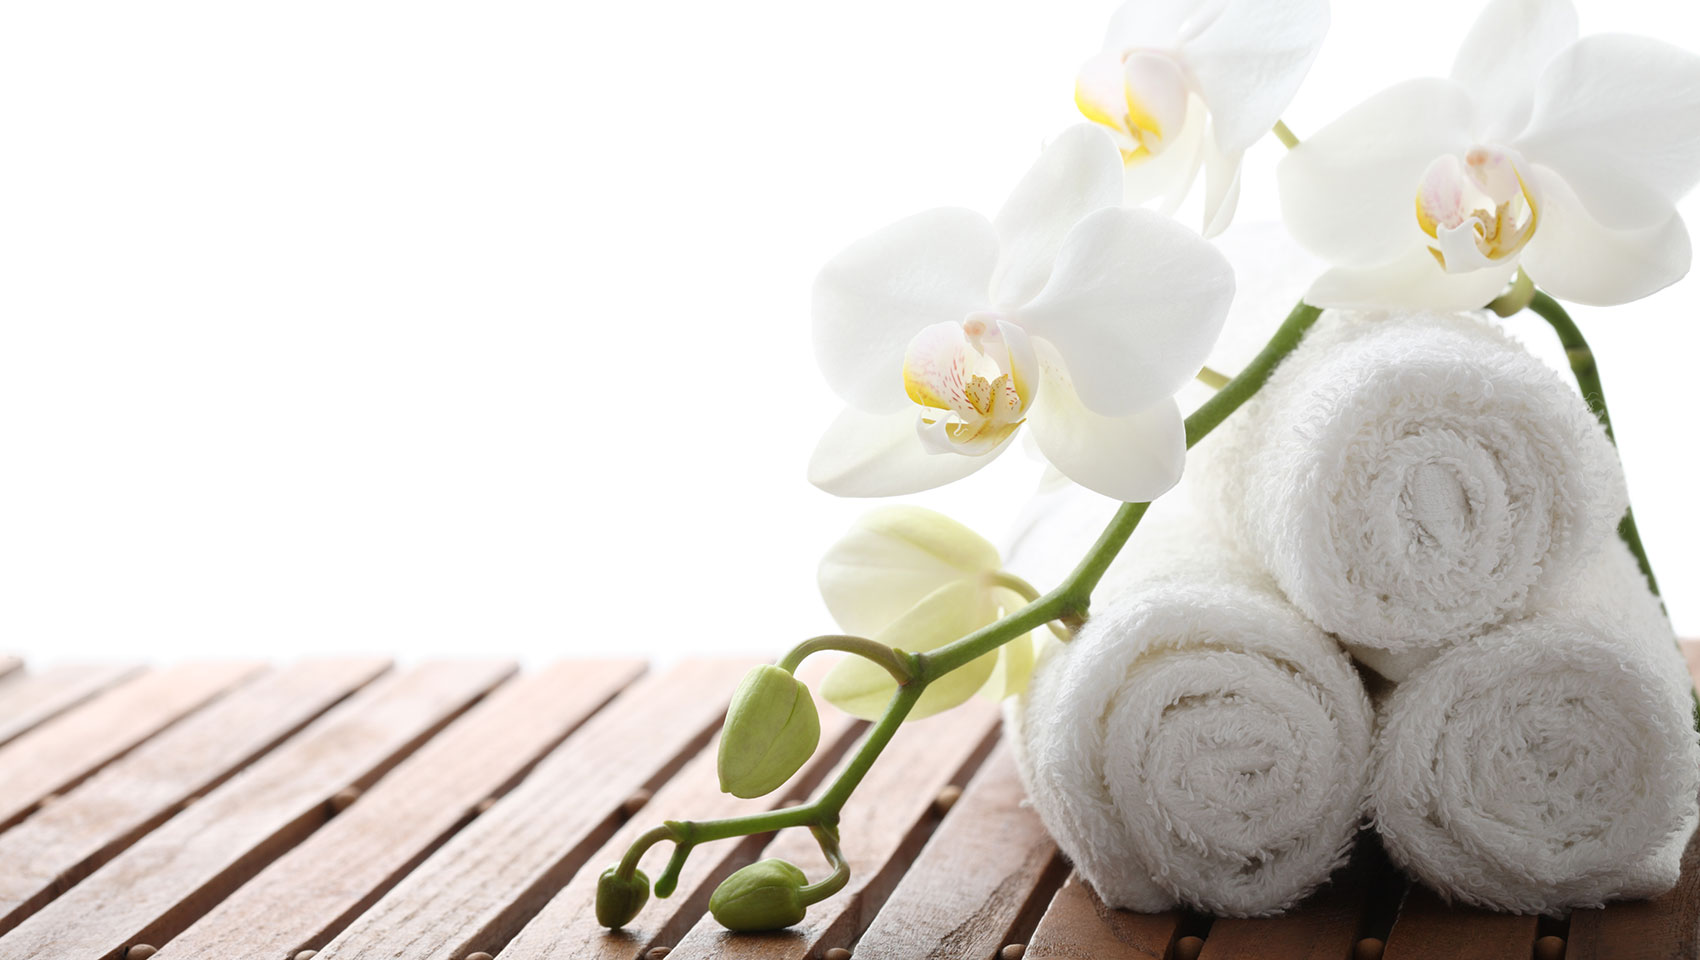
x: 1079, y: 926
x: 1428, y: 929
x: 567, y: 927
x: 981, y: 882
x: 882, y: 828
x: 65, y: 841
x: 173, y: 875
x: 487, y: 882
x: 310, y: 893
x: 57, y: 755
x: 1324, y: 927
x: 28, y: 700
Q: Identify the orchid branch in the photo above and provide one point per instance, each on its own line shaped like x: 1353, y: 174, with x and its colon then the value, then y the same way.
x: 1067, y: 603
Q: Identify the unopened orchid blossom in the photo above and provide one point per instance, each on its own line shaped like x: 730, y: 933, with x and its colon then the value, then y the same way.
x: 1182, y: 84
x: 946, y: 332
x: 916, y: 580
x: 1559, y: 156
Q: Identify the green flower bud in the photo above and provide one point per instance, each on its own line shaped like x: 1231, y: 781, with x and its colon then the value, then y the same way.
x: 618, y: 900
x: 763, y: 896
x: 772, y: 729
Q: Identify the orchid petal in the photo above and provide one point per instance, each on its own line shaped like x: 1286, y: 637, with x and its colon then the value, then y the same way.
x: 1504, y: 54
x: 1144, y: 23
x: 872, y: 299
x: 1221, y: 187
x: 880, y: 455
x: 862, y: 689
x: 1078, y: 173
x: 1347, y: 191
x: 1414, y: 279
x: 1134, y: 457
x: 1169, y: 174
x: 891, y: 559
x: 1014, y: 667
x: 1618, y: 117
x: 1573, y: 257
x: 1249, y: 60
x: 1134, y: 304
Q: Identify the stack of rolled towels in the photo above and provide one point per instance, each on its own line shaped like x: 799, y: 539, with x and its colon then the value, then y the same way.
x: 1390, y: 592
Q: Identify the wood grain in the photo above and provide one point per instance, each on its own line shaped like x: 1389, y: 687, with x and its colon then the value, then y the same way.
x: 480, y: 888
x: 882, y: 828
x: 1324, y: 927
x: 1078, y: 926
x: 1428, y: 929
x: 302, y: 899
x: 157, y: 887
x: 60, y: 753
x: 981, y: 882
x: 29, y: 699
x: 567, y: 927
x: 62, y: 843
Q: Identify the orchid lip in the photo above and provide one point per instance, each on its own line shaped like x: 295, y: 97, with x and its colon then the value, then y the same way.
x: 971, y: 382
x: 1478, y: 210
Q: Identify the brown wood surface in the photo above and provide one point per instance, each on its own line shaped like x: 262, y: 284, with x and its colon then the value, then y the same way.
x: 480, y: 888
x: 158, y: 886
x: 980, y: 883
x: 1428, y: 929
x: 1324, y: 927
x: 310, y: 893
x: 62, y: 843
x: 883, y: 826
x: 58, y: 754
x: 1078, y: 926
x: 567, y: 927
x: 28, y: 699
x: 1665, y: 926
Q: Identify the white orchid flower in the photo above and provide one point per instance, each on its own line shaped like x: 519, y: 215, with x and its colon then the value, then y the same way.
x: 1187, y: 83
x: 916, y: 580
x: 946, y: 332
x: 1561, y: 156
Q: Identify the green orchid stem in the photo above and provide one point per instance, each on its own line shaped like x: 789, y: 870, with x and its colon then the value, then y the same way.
x: 1587, y: 373
x: 1067, y: 603
x: 1284, y: 135
x: 1522, y: 291
x: 816, y: 892
x: 895, y: 662
x: 634, y: 853
x: 1030, y: 593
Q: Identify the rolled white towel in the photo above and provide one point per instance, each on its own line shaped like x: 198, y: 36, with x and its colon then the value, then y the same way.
x: 1551, y: 763
x: 1412, y: 479
x: 1198, y: 742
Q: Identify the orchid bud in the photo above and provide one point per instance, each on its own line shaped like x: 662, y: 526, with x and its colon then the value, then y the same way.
x: 762, y: 896
x: 618, y: 899
x: 772, y: 729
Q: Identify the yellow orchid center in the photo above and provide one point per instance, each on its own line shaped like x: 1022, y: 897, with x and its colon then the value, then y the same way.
x: 1139, y: 96
x: 972, y: 381
x: 1479, y: 210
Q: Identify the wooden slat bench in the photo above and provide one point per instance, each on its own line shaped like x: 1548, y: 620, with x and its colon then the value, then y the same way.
x: 353, y: 810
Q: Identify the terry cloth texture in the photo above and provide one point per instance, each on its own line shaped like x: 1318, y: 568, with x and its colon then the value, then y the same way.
x: 1411, y: 479
x: 1548, y: 764
x: 1199, y: 742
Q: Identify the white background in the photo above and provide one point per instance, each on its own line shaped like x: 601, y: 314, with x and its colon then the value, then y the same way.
x: 444, y: 327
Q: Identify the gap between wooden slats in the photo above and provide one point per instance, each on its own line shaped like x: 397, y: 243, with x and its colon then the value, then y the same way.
x: 567, y: 929
x: 882, y: 827
x: 480, y: 888
x: 59, y: 754
x: 980, y: 883
x: 29, y: 698
x: 176, y: 873
x: 309, y: 894
x: 85, y: 827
